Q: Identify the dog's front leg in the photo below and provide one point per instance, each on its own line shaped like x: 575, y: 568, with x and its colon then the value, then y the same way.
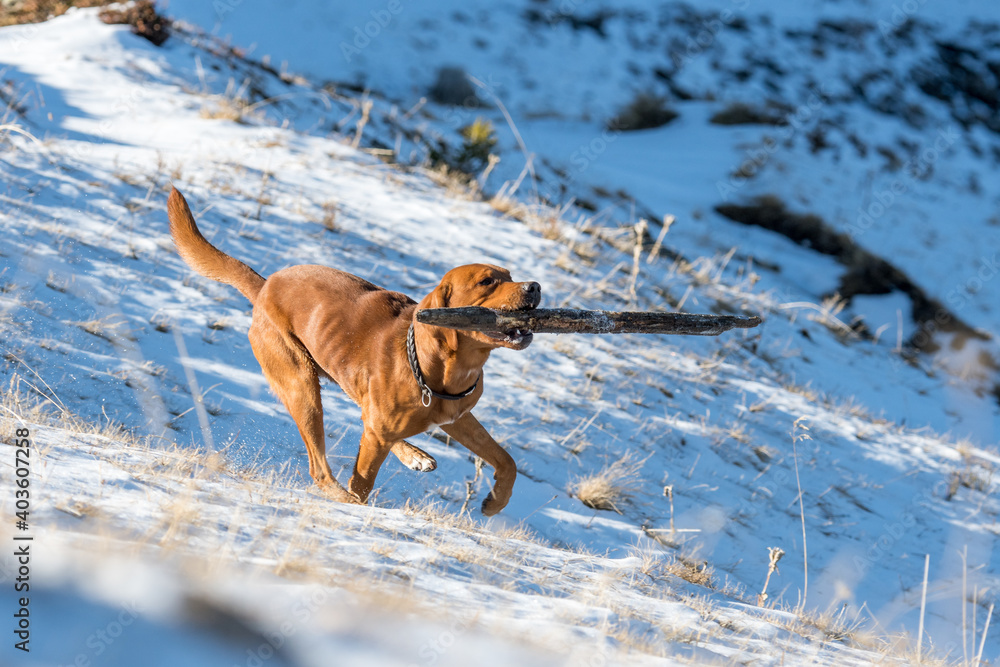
x: 471, y: 434
x: 371, y: 455
x: 414, y: 458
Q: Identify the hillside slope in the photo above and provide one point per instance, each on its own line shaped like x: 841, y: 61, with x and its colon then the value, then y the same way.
x: 101, y: 317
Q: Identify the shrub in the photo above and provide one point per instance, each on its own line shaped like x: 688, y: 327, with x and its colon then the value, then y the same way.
x: 739, y: 113
x: 479, y: 140
x: 644, y: 112
x: 453, y: 88
x: 143, y: 18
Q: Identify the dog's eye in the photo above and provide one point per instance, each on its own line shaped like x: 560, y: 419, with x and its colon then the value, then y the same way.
x: 486, y: 282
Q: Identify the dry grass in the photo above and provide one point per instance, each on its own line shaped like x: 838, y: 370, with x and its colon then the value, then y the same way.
x: 975, y: 477
x: 542, y: 219
x: 691, y: 570
x: 235, y: 107
x: 30, y: 400
x: 852, y: 407
x: 329, y: 218
x: 612, y: 486
x: 226, y: 108
x: 737, y: 431
x: 856, y: 631
x: 442, y: 517
x: 36, y: 11
x: 805, y: 391
x: 110, y: 328
x: 235, y: 104
x: 500, y: 559
x: 827, y: 315
x: 436, y: 513
x: 456, y: 184
x: 18, y: 406
x: 853, y: 630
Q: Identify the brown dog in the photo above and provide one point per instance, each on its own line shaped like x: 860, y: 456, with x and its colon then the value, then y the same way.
x: 313, y: 321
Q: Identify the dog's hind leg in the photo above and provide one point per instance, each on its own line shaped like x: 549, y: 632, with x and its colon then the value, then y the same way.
x: 293, y: 377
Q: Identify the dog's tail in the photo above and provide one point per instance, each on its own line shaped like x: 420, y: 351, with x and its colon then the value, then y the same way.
x: 204, y: 257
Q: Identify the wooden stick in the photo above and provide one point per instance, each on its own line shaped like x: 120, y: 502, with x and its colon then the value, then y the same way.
x: 567, y: 320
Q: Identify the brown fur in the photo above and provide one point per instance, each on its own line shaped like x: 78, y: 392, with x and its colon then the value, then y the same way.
x: 313, y: 321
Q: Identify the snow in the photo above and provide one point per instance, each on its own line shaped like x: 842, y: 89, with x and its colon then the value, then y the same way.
x: 217, y: 551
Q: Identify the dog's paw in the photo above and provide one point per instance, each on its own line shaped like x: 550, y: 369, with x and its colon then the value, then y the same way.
x: 492, y: 506
x: 414, y: 458
x: 335, y: 491
x: 422, y: 462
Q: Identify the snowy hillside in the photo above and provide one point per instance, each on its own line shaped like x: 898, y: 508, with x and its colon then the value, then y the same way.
x: 193, y: 505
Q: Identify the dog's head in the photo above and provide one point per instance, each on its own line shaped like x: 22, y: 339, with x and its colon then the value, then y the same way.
x: 490, y: 287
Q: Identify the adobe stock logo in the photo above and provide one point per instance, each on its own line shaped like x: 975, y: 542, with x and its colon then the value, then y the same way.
x: 381, y: 18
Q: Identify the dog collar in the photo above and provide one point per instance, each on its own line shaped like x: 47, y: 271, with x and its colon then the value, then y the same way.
x: 426, y: 392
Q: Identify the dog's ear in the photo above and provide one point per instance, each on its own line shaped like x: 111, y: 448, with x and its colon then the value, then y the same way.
x: 440, y: 297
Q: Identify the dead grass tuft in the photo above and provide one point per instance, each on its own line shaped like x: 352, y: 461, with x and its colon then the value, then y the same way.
x: 608, y: 489
x: 973, y: 476
x: 237, y: 104
x: 227, y: 108
x: 329, y: 219
x: 109, y: 328
x: 692, y: 571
